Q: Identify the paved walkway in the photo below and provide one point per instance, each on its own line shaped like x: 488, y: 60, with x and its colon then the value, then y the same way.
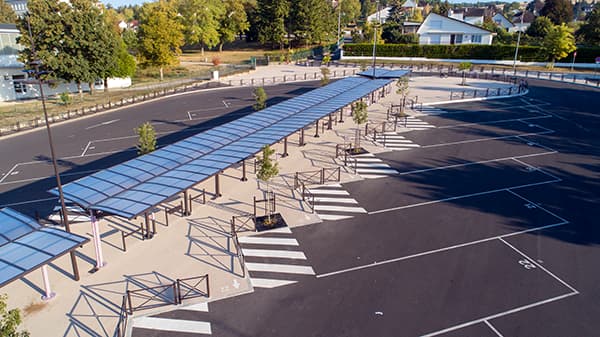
x: 201, y: 243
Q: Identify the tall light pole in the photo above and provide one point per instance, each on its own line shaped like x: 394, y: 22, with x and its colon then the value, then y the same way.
x: 375, y: 36
x: 36, y: 74
x: 518, y: 41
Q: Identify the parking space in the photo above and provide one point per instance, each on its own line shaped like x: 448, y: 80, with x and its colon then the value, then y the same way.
x: 433, y: 158
x: 410, y: 190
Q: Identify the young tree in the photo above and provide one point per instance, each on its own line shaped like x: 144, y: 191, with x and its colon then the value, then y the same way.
x: 325, y: 73
x: 266, y: 171
x: 10, y: 320
x: 464, y: 66
x: 160, y: 34
x: 146, y: 138
x: 559, y: 42
x: 589, y: 32
x: 558, y: 11
x: 539, y: 27
x: 359, y: 116
x: 233, y: 22
x: 272, y: 16
x: 201, y: 21
x: 402, y: 89
x: 261, y: 98
x: 7, y: 15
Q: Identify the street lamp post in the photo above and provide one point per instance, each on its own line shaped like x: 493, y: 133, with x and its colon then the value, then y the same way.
x: 36, y: 74
x: 375, y: 36
x: 518, y: 41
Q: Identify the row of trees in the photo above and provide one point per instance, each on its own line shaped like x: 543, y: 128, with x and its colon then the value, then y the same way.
x: 73, y: 41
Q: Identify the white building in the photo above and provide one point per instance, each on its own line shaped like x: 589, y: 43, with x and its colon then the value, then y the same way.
x: 472, y: 15
x: 438, y: 29
x: 12, y: 72
x: 383, y: 15
x: 501, y: 21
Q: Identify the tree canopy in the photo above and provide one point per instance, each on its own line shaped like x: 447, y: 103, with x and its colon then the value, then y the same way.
x: 201, y: 21
x: 160, y: 34
x: 234, y: 21
x: 311, y: 20
x: 589, y: 32
x: 350, y: 11
x: 7, y: 15
x: 559, y: 42
x: 539, y: 27
x: 272, y: 16
x: 558, y: 11
x: 10, y: 320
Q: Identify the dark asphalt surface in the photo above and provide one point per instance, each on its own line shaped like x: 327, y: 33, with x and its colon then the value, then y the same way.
x: 113, y: 139
x: 455, y: 267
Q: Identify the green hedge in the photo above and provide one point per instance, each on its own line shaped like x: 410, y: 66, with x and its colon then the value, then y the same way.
x: 465, y: 51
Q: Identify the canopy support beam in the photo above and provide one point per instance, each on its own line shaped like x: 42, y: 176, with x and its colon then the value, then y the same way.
x: 97, y: 242
x: 48, y: 291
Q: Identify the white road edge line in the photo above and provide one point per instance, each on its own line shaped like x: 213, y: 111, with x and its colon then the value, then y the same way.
x: 189, y: 115
x: 460, y: 197
x: 539, y: 266
x: 493, y: 329
x: 504, y: 313
x: 374, y: 264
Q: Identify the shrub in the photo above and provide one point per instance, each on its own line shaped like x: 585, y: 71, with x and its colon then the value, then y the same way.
x: 216, y: 61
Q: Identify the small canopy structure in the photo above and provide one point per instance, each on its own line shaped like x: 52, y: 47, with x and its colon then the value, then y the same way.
x: 384, y: 73
x: 25, y: 245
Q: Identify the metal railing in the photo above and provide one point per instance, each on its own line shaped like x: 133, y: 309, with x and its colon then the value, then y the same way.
x: 474, y: 93
x: 189, y: 287
x: 125, y: 235
x: 317, y: 177
x: 307, y: 196
x: 238, y: 247
x: 244, y: 220
x: 152, y: 297
x: 269, y: 203
x: 122, y: 322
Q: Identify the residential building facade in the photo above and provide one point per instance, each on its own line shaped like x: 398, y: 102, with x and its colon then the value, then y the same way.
x: 438, y: 29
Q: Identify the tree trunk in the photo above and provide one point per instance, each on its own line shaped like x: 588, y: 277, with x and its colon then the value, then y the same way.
x: 221, y: 47
x: 202, y: 49
x: 161, y: 74
x: 80, y: 91
x: 106, y: 84
x: 91, y: 85
x: 357, y: 139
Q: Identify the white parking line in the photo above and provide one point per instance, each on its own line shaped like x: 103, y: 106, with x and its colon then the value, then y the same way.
x: 86, y: 148
x: 408, y: 257
x: 489, y: 138
x: 28, y: 202
x: 8, y: 173
x: 40, y: 178
x: 493, y: 329
x: 493, y: 122
x: 461, y: 197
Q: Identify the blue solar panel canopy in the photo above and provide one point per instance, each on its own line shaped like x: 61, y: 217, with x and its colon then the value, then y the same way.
x: 133, y: 187
x: 384, y: 73
x: 25, y: 245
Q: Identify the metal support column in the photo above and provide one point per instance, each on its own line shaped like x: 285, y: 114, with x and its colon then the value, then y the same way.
x: 147, y: 220
x: 217, y: 186
x: 302, y: 137
x: 317, y: 129
x: 244, y: 171
x: 185, y: 210
x: 329, y: 125
x: 97, y: 243
x: 285, y: 153
x: 48, y: 294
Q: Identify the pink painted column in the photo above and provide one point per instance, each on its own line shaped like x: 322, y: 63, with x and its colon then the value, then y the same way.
x: 49, y: 294
x: 97, y: 243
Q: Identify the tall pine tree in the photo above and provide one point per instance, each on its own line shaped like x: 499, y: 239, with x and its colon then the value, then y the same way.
x: 272, y: 18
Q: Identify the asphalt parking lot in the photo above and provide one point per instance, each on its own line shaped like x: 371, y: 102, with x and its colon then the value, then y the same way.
x: 488, y: 229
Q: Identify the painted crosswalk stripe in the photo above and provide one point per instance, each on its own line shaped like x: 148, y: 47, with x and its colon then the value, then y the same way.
x: 280, y: 268
x: 268, y: 240
x: 336, y: 200
x: 334, y: 217
x: 284, y: 230
x: 284, y: 254
x: 177, y: 325
x: 202, y: 307
x: 372, y: 165
x: 380, y: 170
x: 340, y: 209
x: 330, y: 192
x: 269, y: 283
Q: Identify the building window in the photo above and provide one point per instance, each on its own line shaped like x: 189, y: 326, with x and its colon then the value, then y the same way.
x: 476, y: 39
x: 459, y: 39
x: 20, y: 88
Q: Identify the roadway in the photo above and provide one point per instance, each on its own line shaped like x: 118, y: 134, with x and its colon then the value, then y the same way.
x: 487, y: 229
x: 98, y: 141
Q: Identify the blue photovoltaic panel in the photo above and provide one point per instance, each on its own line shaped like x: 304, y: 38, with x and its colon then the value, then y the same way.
x: 139, y: 184
x: 25, y: 245
x: 384, y: 73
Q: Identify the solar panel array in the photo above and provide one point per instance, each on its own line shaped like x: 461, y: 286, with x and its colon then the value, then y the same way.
x: 384, y: 73
x: 26, y: 245
x: 133, y: 187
